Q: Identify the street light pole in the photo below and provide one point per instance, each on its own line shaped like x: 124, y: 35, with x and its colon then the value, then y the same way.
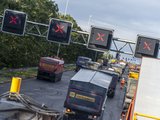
x: 89, y: 20
x: 59, y: 45
x: 66, y: 8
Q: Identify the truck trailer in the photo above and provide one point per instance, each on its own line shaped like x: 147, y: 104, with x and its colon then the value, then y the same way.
x: 87, y: 95
x: 146, y: 103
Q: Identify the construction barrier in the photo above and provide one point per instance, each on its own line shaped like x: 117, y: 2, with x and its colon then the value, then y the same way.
x: 15, y: 85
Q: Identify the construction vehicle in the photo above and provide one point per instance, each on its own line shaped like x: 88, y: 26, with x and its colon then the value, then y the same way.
x: 118, y: 68
x: 81, y: 62
x: 50, y: 68
x: 131, y: 86
x: 92, y: 65
x: 112, y: 61
x: 130, y: 92
x: 87, y: 95
x: 145, y: 105
x: 134, y: 75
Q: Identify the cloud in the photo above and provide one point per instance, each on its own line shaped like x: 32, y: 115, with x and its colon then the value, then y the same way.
x: 127, y: 17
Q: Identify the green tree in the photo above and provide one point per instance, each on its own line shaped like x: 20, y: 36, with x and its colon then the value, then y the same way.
x: 107, y: 55
x: 25, y: 51
x: 18, y: 51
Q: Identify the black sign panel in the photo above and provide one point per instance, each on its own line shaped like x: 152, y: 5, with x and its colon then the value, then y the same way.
x: 59, y: 31
x: 100, y: 39
x: 14, y: 22
x: 147, y: 47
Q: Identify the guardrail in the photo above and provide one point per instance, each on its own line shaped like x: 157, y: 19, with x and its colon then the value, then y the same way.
x: 145, y: 116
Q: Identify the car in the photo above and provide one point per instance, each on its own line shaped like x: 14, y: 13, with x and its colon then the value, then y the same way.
x: 81, y: 62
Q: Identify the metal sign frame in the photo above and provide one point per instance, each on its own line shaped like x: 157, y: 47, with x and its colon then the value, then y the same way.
x: 35, y: 29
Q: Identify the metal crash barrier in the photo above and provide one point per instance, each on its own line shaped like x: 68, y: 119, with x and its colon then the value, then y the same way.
x: 145, y: 116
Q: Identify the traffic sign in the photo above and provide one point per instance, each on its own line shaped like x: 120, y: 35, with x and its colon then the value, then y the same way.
x: 147, y: 46
x: 100, y: 39
x: 59, y: 31
x: 14, y: 22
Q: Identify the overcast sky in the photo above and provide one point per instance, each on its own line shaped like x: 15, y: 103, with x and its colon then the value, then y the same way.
x: 127, y: 17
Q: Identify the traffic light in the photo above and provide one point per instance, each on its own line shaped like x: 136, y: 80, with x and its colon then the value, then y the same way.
x: 59, y: 31
x: 100, y: 39
x: 147, y: 47
x: 14, y: 22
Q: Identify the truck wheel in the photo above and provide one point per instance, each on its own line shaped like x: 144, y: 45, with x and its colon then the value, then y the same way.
x: 38, y: 78
x: 38, y: 75
x: 111, y: 93
x: 60, y: 76
x: 65, y: 118
x: 77, y: 69
x: 125, y: 106
x: 101, y: 117
x: 53, y: 78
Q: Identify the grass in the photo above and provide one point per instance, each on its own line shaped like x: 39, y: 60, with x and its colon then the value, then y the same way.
x: 24, y: 73
x: 69, y: 67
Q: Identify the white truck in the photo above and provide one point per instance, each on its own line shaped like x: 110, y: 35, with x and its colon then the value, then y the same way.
x: 147, y: 100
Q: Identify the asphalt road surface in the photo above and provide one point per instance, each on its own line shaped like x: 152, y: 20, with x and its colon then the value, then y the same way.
x: 53, y: 94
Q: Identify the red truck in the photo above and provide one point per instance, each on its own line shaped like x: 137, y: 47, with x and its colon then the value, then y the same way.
x: 50, y: 68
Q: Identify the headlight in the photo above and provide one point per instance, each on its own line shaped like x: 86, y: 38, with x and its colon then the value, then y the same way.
x: 68, y: 110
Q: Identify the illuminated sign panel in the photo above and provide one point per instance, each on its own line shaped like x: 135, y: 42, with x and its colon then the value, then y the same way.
x: 147, y: 47
x: 59, y: 31
x: 14, y: 22
x: 100, y: 39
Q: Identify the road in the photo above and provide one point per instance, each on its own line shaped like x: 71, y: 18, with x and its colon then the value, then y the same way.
x: 53, y: 94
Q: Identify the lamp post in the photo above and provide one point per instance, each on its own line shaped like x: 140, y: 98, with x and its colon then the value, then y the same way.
x: 59, y: 45
x: 66, y: 7
x: 89, y: 20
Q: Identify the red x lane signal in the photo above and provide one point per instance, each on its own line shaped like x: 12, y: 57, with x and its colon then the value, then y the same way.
x: 147, y: 46
x: 59, y: 28
x: 59, y: 31
x: 100, y: 36
x: 13, y: 20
